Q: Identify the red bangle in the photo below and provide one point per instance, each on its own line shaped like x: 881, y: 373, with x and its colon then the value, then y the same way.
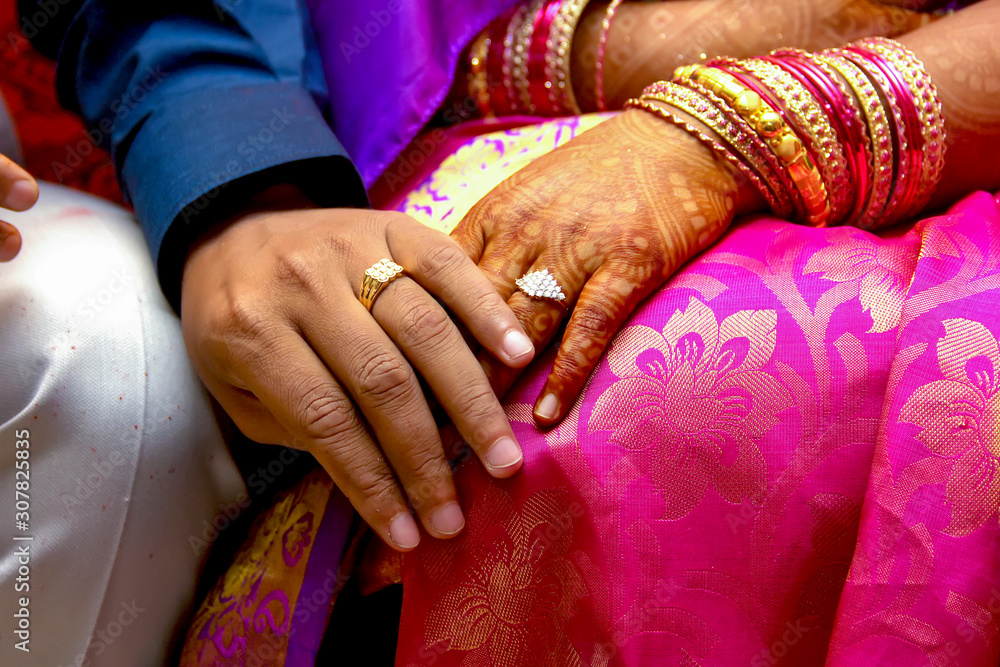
x: 540, y: 81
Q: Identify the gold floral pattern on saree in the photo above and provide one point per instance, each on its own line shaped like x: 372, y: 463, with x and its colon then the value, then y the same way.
x: 519, y: 592
x: 959, y: 418
x: 692, y: 402
x: 249, y: 611
x: 881, y: 271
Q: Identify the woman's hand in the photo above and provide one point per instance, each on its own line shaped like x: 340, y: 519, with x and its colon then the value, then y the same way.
x: 612, y: 214
x: 18, y: 192
x: 274, y: 327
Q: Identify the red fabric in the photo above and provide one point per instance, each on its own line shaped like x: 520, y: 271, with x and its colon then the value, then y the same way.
x: 54, y: 141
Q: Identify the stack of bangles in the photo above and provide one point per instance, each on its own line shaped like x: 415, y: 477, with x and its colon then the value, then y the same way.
x: 853, y: 135
x: 521, y: 63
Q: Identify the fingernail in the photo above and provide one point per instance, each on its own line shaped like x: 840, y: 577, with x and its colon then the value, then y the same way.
x: 448, y: 520
x: 20, y: 196
x: 503, y: 454
x: 403, y: 531
x: 547, y: 407
x: 516, y: 344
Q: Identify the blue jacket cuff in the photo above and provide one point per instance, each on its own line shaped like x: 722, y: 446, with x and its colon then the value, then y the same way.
x: 216, y: 146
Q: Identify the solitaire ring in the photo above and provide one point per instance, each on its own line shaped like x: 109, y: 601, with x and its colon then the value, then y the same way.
x: 541, y: 285
x: 376, y: 278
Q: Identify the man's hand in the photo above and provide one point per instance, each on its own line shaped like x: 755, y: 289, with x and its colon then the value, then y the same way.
x: 274, y: 327
x: 18, y: 192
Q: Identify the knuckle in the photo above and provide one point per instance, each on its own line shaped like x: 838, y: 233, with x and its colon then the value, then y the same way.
x: 384, y: 378
x: 248, y: 318
x: 591, y: 321
x: 376, y: 486
x: 325, y: 417
x: 337, y: 244
x: 422, y: 324
x: 477, y: 403
x: 297, y: 271
x: 440, y: 260
x: 427, y: 464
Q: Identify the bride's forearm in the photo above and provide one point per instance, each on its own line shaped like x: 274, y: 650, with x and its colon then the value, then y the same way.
x: 648, y: 40
x: 962, y: 55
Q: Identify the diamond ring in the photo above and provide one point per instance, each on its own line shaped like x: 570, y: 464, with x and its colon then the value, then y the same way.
x: 376, y: 278
x: 541, y: 285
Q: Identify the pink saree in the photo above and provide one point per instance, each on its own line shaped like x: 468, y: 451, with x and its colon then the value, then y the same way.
x: 790, y: 455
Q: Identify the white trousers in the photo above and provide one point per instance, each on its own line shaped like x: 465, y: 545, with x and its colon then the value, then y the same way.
x: 110, y: 456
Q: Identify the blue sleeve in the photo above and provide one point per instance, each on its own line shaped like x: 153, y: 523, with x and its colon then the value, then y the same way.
x: 201, y: 103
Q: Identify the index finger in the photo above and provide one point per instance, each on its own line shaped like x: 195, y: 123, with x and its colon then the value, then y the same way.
x: 442, y: 268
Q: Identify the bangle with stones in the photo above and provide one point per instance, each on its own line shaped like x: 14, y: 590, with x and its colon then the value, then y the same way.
x: 876, y: 117
x: 772, y: 127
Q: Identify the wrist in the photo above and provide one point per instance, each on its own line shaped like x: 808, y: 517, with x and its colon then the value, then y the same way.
x: 679, y: 151
x: 273, y: 199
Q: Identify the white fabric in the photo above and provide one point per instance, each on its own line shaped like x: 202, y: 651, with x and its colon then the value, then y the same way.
x: 126, y: 459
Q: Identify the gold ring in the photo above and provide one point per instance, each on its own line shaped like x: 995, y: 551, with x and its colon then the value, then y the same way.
x: 376, y: 278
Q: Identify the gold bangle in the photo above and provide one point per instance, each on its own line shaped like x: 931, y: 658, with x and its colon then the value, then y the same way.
x: 879, y: 134
x: 775, y: 132
x: 523, y: 34
x: 559, y: 55
x: 478, y: 79
x: 689, y: 102
x: 813, y: 124
x: 929, y: 109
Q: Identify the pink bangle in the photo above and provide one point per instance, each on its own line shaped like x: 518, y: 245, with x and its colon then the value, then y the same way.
x: 537, y: 75
x: 904, y: 122
x: 924, y: 94
x: 907, y: 192
x: 825, y: 95
x: 845, y: 116
x: 498, y: 63
x: 602, y: 52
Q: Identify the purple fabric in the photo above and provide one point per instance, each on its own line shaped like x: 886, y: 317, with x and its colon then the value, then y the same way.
x: 322, y: 581
x: 389, y: 65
